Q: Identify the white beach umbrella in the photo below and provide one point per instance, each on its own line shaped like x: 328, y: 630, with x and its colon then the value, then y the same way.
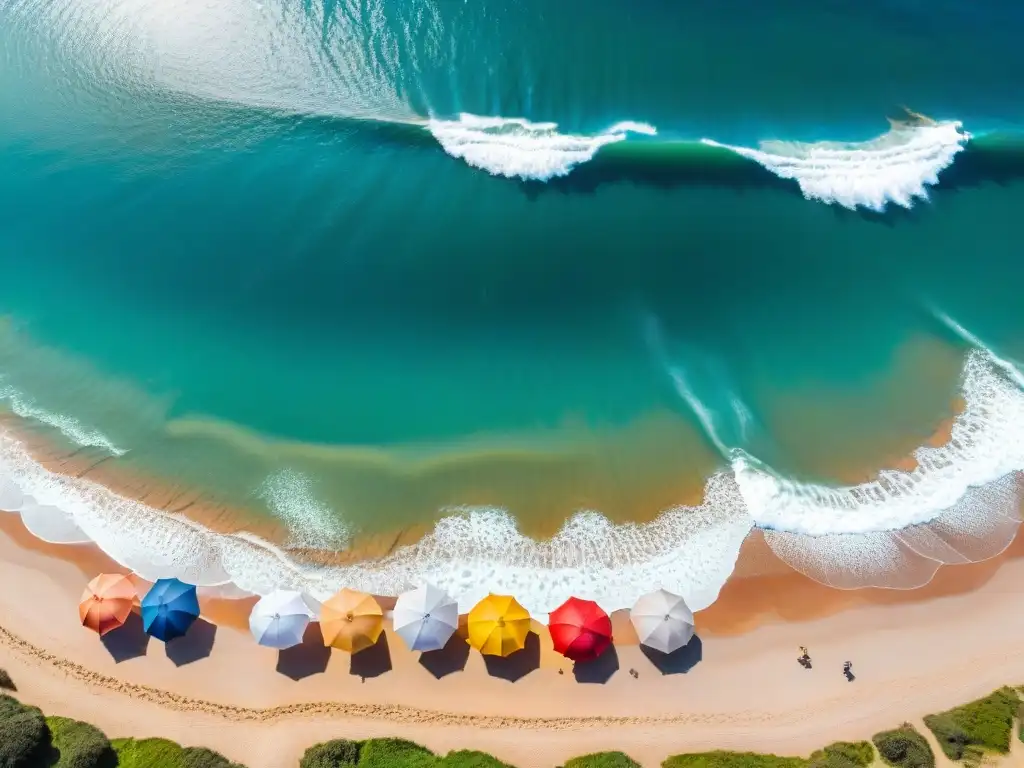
x: 425, y: 618
x: 279, y: 620
x: 662, y: 621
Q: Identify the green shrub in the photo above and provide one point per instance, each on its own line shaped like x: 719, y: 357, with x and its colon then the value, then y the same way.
x: 985, y: 724
x: 24, y: 740
x: 339, y: 753
x: 395, y: 753
x: 904, y: 747
x: 79, y: 745
x: 844, y: 754
x: 10, y: 706
x: 603, y: 760
x: 720, y: 759
x: 201, y: 757
x: 466, y: 758
x: 147, y: 753
x: 6, y: 684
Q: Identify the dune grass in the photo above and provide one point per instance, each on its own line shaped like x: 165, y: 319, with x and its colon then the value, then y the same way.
x: 6, y: 684
x: 986, y: 725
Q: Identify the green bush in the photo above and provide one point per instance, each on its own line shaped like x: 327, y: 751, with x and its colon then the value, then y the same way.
x: 24, y: 740
x: 985, y: 724
x: 721, y: 759
x: 10, y: 706
x: 201, y: 757
x: 844, y: 754
x: 465, y: 758
x: 339, y: 753
x: 904, y: 747
x: 79, y: 745
x: 147, y: 753
x: 603, y: 760
x: 395, y: 753
x: 6, y: 684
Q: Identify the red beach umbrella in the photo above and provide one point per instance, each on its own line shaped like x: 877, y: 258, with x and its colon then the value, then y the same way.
x: 581, y: 631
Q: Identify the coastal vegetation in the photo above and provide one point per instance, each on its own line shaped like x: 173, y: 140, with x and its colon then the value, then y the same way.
x: 904, y: 747
x: 6, y: 684
x: 986, y: 725
x: 966, y: 733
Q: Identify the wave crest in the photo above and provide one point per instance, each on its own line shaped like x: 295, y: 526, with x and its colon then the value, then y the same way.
x: 516, y: 148
x: 896, y: 167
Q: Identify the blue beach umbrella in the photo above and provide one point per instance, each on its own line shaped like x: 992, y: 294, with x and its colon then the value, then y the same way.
x: 169, y: 609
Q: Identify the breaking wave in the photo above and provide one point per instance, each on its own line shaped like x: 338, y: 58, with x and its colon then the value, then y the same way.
x: 896, y: 167
x: 959, y: 504
x: 517, y: 148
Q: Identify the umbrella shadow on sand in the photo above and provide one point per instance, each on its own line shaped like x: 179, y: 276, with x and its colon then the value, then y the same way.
x: 517, y: 665
x: 308, y: 658
x: 129, y: 641
x: 373, y: 661
x: 678, y: 662
x: 599, y: 670
x: 450, y: 659
x: 194, y: 645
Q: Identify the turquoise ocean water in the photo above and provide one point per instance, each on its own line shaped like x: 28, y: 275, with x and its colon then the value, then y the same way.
x: 353, y: 264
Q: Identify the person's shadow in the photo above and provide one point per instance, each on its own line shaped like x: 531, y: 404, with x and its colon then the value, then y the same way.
x: 373, y: 661
x: 310, y: 657
x: 597, y: 670
x: 680, y: 661
x: 848, y: 673
x: 194, y: 645
x: 452, y: 658
x: 129, y: 641
x: 517, y: 665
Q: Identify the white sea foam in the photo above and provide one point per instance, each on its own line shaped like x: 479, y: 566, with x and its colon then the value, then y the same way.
x: 896, y: 167
x: 311, y: 523
x: 517, y: 148
x: 68, y: 426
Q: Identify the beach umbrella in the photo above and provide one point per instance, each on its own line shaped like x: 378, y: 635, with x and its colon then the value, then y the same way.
x: 425, y: 618
x: 498, y: 626
x: 169, y: 608
x: 662, y: 621
x: 351, y: 621
x: 279, y: 620
x: 580, y: 630
x: 106, y: 602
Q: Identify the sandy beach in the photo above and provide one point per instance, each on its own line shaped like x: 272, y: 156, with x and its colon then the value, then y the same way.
x: 738, y: 687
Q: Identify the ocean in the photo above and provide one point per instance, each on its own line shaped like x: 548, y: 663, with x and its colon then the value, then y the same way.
x: 557, y: 298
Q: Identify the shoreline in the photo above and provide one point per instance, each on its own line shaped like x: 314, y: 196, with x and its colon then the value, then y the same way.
x: 234, y: 699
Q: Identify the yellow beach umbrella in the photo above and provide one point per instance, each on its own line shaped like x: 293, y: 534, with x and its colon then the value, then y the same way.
x: 498, y: 625
x: 351, y: 621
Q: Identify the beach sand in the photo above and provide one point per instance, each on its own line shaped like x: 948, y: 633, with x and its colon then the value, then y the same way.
x: 737, y: 687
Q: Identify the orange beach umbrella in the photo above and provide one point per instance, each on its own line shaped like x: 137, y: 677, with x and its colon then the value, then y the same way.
x: 498, y: 626
x: 106, y: 602
x: 351, y: 621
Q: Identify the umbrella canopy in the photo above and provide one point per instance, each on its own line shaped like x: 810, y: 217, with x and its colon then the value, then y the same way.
x: 580, y: 630
x: 169, y: 608
x: 279, y: 620
x: 425, y: 618
x: 106, y: 602
x: 498, y: 626
x: 662, y: 621
x: 351, y: 621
